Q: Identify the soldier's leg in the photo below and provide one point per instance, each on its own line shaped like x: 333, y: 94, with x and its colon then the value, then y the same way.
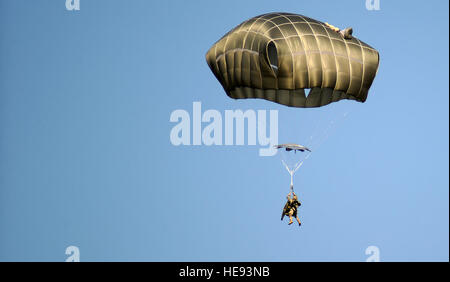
x: 291, y: 212
x: 296, y: 217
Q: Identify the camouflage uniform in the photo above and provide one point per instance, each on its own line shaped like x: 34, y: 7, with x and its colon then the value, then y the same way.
x: 291, y: 207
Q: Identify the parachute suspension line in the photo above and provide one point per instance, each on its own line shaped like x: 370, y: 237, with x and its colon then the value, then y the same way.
x: 316, y: 128
x: 292, y: 182
x: 292, y: 171
x: 323, y: 135
x: 320, y: 137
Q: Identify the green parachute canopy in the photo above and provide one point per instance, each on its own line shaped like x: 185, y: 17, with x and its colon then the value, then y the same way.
x: 277, y: 56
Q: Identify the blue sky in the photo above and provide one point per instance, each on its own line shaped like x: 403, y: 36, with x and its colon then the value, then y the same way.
x: 86, y: 159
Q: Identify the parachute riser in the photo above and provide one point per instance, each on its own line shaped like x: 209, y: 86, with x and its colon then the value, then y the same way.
x: 292, y: 180
x: 291, y: 172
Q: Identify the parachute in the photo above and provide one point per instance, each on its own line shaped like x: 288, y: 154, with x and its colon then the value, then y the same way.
x: 276, y: 56
x: 279, y: 56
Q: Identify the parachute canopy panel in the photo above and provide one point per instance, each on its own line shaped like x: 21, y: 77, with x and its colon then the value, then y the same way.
x: 277, y: 56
